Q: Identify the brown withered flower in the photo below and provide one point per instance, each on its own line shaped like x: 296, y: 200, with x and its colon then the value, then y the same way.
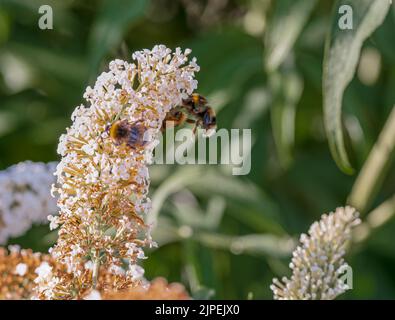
x: 157, y: 289
x: 18, y: 271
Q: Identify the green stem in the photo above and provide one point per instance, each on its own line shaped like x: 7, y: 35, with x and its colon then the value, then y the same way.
x: 375, y: 219
x: 370, y: 177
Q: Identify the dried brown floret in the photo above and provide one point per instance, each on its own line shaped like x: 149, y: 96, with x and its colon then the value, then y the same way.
x: 158, y: 289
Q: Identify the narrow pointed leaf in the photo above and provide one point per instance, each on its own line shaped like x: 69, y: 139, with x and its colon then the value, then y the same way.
x: 285, y: 26
x: 341, y: 57
x: 287, y: 89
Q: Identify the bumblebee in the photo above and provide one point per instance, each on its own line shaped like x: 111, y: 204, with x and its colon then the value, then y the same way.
x: 195, y: 107
x: 175, y: 117
x: 130, y: 134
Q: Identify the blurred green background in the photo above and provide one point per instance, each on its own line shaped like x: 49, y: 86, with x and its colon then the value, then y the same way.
x: 223, y: 236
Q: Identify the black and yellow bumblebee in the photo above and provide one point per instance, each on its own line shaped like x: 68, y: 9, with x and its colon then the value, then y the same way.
x: 195, y: 106
x: 174, y: 117
x: 124, y: 132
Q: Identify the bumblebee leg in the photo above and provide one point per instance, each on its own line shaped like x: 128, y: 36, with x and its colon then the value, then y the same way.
x: 163, y: 127
x: 199, y: 123
x: 195, y: 128
x: 195, y: 122
x: 131, y: 146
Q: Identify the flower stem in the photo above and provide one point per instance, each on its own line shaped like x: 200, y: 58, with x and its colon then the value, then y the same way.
x: 96, y: 267
x: 375, y: 219
x: 371, y: 175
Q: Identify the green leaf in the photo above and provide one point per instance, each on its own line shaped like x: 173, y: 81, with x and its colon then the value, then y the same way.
x: 54, y: 63
x: 287, y: 88
x: 254, y: 244
x: 114, y: 18
x: 192, y: 215
x: 177, y: 181
x: 259, y: 211
x: 221, y: 68
x: 340, y: 61
x: 285, y: 26
x: 203, y: 293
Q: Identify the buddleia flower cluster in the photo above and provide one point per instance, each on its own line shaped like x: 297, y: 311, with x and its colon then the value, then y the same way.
x: 102, y: 187
x: 318, y: 263
x: 25, y: 197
